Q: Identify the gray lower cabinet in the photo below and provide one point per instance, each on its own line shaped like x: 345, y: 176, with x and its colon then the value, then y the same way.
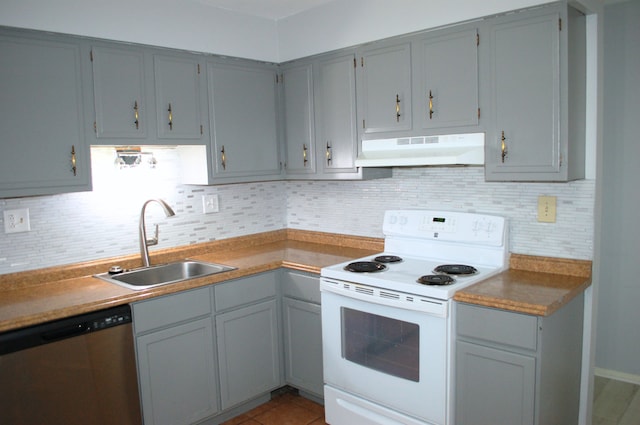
x: 538, y: 86
x: 248, y: 338
x: 302, y: 331
x: 518, y: 369
x: 44, y: 150
x: 176, y: 358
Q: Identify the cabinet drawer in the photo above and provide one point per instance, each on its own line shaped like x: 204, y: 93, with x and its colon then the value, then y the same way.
x: 171, y: 309
x: 244, y: 291
x: 497, y: 326
x: 301, y: 286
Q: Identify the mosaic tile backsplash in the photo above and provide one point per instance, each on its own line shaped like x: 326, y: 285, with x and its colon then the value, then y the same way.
x: 77, y: 227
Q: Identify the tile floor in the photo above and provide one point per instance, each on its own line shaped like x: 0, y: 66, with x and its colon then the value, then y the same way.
x: 615, y: 403
x: 286, y: 408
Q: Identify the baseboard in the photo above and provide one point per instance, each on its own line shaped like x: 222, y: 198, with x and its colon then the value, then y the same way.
x: 618, y: 376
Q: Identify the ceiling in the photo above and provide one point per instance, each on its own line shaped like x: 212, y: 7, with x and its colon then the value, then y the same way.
x: 269, y: 9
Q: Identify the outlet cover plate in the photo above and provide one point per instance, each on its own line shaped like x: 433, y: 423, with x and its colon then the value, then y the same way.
x: 210, y: 204
x: 16, y: 221
x: 547, y: 209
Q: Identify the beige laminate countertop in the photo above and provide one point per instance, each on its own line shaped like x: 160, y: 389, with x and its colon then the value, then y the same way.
x: 33, y: 297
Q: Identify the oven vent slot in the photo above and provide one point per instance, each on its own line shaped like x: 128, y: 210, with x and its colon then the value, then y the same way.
x: 384, y: 294
x: 366, y: 291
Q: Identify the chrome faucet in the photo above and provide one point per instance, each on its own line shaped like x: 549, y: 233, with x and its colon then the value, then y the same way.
x: 144, y: 242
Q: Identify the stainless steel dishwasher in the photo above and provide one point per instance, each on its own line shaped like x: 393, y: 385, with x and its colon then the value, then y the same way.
x: 79, y: 370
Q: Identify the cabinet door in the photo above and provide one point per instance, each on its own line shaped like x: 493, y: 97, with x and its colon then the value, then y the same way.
x: 298, y: 109
x: 177, y: 374
x: 179, y: 94
x: 525, y: 61
x: 242, y: 108
x: 119, y: 93
x: 447, y: 77
x: 385, y: 89
x: 41, y: 116
x: 335, y: 95
x: 303, y: 345
x: 248, y: 352
x: 493, y: 386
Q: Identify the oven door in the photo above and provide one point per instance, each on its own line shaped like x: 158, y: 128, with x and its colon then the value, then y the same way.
x: 389, y: 350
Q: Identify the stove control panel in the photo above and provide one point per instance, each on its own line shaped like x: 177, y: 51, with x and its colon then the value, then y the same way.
x: 446, y: 226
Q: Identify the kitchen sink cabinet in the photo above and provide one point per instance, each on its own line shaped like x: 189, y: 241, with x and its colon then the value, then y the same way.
x: 384, y: 89
x: 181, y: 101
x: 298, y: 118
x: 248, y: 338
x: 244, y: 143
x: 41, y: 115
x: 446, y: 80
x: 176, y: 358
x: 302, y: 331
x: 513, y: 368
x: 538, y: 80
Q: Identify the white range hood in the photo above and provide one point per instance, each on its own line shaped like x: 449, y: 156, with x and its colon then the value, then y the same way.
x: 450, y: 149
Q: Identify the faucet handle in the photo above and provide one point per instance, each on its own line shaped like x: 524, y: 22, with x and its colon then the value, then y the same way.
x: 154, y: 240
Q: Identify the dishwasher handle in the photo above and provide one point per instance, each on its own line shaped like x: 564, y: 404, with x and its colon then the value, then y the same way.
x: 65, y: 332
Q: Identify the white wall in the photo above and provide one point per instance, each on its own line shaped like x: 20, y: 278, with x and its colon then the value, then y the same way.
x: 344, y: 23
x: 188, y: 25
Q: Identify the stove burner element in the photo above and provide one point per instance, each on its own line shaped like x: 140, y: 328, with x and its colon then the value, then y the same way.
x: 436, y: 279
x: 365, y: 267
x: 455, y: 269
x: 388, y: 259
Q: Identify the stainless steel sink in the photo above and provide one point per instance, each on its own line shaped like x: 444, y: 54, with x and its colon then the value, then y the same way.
x: 163, y: 274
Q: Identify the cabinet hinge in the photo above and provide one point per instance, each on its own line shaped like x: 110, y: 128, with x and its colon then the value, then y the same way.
x: 91, y: 55
x: 560, y: 165
x: 95, y: 127
x: 201, y: 130
x: 559, y: 24
x: 198, y: 69
x: 363, y: 126
x: 478, y: 113
x: 361, y: 61
x: 355, y: 63
x: 477, y: 39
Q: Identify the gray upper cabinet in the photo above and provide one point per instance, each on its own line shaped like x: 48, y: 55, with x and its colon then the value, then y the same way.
x: 242, y: 114
x: 384, y: 89
x: 120, y: 96
x: 298, y: 109
x: 446, y: 85
x: 335, y: 106
x: 44, y: 150
x: 180, y: 92
x: 538, y: 126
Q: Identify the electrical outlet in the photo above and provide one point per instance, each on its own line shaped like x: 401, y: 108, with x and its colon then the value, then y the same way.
x: 547, y: 209
x: 210, y: 204
x: 16, y: 221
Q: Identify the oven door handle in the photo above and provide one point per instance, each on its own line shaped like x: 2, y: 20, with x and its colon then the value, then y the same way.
x: 370, y: 294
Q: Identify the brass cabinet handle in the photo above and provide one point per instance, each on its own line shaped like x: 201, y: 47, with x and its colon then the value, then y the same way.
x: 397, y: 108
x: 304, y: 154
x: 223, y: 158
x: 503, y: 146
x: 136, y: 115
x: 170, y: 117
x: 329, y: 154
x: 430, y: 105
x: 73, y: 160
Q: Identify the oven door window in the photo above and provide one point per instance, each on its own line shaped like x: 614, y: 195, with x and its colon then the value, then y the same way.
x: 381, y: 343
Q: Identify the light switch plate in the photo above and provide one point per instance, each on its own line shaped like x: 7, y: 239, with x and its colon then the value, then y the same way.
x: 16, y: 221
x: 210, y: 204
x: 547, y: 209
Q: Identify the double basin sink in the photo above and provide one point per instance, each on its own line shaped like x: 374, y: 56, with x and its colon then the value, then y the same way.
x: 163, y: 274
